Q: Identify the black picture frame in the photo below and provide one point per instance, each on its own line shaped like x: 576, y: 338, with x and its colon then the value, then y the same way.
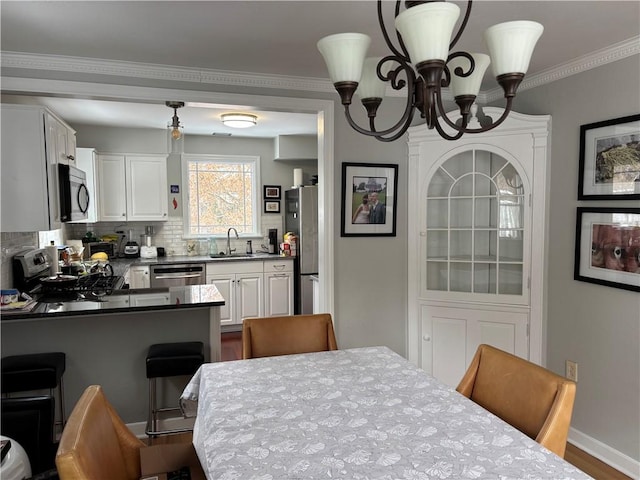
x: 272, y: 206
x: 597, y: 179
x: 358, y: 180
x: 607, y: 250
x: 272, y: 192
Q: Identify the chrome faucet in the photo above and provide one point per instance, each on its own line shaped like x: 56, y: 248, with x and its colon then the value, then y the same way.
x: 229, y: 250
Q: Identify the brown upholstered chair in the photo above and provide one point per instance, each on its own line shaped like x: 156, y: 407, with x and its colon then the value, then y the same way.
x: 96, y: 444
x: 271, y: 336
x: 531, y: 398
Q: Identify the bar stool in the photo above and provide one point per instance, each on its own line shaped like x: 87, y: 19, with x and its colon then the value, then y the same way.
x: 36, y: 371
x: 169, y: 360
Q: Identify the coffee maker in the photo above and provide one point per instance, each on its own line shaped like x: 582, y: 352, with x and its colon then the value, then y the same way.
x: 273, y: 240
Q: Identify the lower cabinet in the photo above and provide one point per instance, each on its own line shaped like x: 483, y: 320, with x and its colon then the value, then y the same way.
x: 278, y: 288
x: 139, y: 277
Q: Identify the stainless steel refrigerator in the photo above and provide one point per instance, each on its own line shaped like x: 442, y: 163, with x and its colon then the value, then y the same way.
x: 301, y: 218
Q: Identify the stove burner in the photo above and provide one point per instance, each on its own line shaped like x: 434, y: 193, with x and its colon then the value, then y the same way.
x: 93, y: 286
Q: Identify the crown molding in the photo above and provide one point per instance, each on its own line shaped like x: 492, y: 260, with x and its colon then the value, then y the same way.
x: 31, y: 61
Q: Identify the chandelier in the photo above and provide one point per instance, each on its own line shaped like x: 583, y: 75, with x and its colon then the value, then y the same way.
x: 424, y: 65
x: 176, y: 134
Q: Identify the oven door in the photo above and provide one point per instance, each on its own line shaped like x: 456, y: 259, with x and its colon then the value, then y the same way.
x: 172, y: 275
x: 74, y: 195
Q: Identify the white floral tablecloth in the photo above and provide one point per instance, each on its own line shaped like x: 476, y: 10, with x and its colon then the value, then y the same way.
x: 363, y: 413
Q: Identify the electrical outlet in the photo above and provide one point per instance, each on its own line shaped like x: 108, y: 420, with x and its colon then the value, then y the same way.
x: 571, y: 370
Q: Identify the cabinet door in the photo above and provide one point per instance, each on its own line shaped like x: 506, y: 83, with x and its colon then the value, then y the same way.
x: 278, y: 297
x: 112, y: 205
x: 139, y: 277
x: 450, y: 337
x: 146, y: 188
x: 250, y: 296
x: 225, y: 283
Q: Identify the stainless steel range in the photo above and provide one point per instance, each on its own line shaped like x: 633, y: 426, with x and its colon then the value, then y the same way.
x: 31, y: 274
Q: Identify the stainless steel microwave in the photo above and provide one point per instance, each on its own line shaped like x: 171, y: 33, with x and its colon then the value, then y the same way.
x: 74, y: 195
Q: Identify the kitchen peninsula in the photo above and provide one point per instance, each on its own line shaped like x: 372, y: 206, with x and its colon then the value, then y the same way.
x: 106, y: 339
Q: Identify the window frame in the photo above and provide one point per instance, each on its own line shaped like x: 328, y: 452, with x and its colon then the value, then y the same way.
x: 186, y: 158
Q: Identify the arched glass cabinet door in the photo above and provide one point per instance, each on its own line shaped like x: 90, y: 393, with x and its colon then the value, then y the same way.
x: 476, y: 226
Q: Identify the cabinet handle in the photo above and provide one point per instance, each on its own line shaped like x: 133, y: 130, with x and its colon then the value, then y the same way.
x: 124, y: 214
x: 426, y: 338
x: 280, y: 275
x: 279, y: 267
x: 71, y: 157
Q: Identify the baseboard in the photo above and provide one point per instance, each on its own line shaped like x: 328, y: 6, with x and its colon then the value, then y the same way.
x: 138, y: 428
x: 608, y: 455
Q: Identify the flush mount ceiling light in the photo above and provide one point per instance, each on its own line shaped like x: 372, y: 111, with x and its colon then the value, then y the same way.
x: 175, y: 121
x: 425, y: 64
x: 239, y: 120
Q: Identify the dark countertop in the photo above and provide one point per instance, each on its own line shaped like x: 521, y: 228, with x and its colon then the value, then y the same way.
x: 124, y: 263
x: 125, y: 301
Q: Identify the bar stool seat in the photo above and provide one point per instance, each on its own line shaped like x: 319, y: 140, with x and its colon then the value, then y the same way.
x: 35, y: 371
x: 169, y: 360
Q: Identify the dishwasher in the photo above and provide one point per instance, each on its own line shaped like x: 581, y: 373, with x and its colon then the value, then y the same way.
x: 176, y: 275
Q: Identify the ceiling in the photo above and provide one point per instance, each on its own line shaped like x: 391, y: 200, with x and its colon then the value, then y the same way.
x: 274, y: 38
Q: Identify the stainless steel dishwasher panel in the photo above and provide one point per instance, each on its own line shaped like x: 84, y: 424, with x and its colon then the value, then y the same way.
x: 176, y: 275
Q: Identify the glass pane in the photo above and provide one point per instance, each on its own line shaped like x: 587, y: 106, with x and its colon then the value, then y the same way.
x: 461, y: 245
x: 440, y: 184
x: 437, y: 244
x: 461, y: 211
x: 484, y: 278
x: 484, y: 185
x: 463, y: 187
x: 485, y: 245
x: 437, y: 213
x: 511, y: 246
x: 511, y: 212
x: 459, y: 164
x: 436, y: 276
x: 510, y: 279
x: 486, y: 212
x: 460, y: 277
x: 488, y: 163
x: 509, y: 182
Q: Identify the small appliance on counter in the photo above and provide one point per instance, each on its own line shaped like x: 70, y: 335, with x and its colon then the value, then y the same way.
x: 131, y: 248
x: 148, y: 252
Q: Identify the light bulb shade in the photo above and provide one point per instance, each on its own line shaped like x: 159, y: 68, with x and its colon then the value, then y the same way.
x: 370, y: 85
x: 239, y: 120
x: 176, y: 133
x: 468, y: 85
x: 344, y: 55
x: 511, y: 45
x: 426, y: 30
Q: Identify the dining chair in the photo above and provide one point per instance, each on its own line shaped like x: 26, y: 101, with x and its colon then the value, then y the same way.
x: 271, y: 336
x: 96, y: 444
x: 529, y: 397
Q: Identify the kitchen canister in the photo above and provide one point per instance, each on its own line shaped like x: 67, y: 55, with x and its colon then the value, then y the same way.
x: 297, y: 177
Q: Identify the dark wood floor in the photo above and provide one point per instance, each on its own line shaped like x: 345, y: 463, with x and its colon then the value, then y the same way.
x: 232, y: 350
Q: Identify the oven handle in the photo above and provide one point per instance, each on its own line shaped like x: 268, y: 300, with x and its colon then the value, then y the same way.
x: 193, y: 275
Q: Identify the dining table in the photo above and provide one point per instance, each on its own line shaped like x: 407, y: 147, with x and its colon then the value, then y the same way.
x: 358, y: 413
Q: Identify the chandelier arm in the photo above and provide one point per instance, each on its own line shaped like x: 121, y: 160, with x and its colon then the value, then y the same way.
x: 447, y: 120
x: 445, y: 135
x: 463, y: 25
x: 404, y: 54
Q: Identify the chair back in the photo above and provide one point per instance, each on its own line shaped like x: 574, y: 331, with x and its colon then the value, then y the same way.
x: 271, y: 336
x: 96, y: 444
x: 529, y: 397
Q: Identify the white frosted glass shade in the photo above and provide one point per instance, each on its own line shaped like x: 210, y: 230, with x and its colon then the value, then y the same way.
x: 511, y: 45
x: 370, y: 85
x: 468, y: 85
x: 426, y: 30
x: 344, y: 55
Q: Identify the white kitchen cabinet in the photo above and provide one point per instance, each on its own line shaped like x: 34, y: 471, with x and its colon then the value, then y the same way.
x: 476, y: 246
x: 241, y: 285
x: 139, y: 277
x: 86, y: 161
x: 29, y: 184
x: 132, y: 187
x: 278, y: 288
x: 65, y: 141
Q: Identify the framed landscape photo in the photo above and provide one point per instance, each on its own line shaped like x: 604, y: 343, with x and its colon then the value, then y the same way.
x: 610, y: 160
x: 272, y: 206
x: 369, y: 200
x: 272, y: 192
x: 608, y: 247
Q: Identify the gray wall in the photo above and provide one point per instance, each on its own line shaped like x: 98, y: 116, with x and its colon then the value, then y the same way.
x: 596, y: 326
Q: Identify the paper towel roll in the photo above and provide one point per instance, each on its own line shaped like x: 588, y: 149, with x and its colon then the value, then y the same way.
x: 52, y: 253
x: 297, y: 177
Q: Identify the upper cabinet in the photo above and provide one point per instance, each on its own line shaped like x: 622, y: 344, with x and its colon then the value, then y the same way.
x: 296, y: 147
x: 132, y: 187
x: 34, y: 141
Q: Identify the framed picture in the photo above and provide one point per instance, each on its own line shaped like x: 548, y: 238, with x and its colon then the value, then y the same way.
x: 272, y: 192
x: 610, y: 160
x: 369, y: 200
x: 272, y: 206
x: 608, y: 247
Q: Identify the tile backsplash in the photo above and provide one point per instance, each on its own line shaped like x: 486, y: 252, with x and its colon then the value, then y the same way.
x: 10, y: 244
